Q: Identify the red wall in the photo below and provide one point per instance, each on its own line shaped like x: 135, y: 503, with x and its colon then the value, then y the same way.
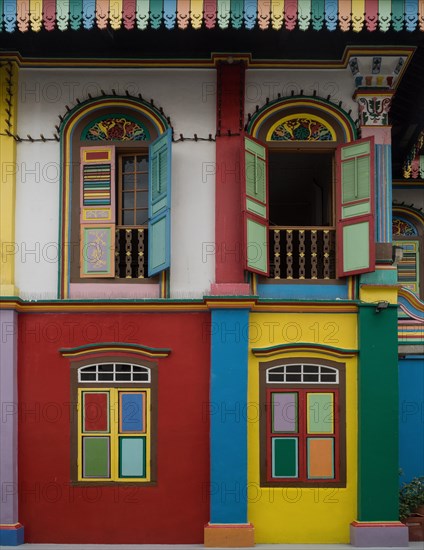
x: 177, y: 508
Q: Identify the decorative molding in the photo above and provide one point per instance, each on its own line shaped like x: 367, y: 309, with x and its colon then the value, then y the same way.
x: 114, y: 348
x: 330, y: 16
x: 301, y: 347
x: 374, y: 107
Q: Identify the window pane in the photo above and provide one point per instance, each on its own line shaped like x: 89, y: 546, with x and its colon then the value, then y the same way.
x: 293, y: 377
x: 128, y: 200
x: 128, y: 217
x: 131, y: 412
x: 86, y: 377
x: 106, y: 368
x: 320, y: 458
x: 123, y: 377
x: 328, y: 378
x: 310, y: 368
x: 123, y: 368
x: 141, y: 198
x: 106, y: 376
x: 320, y: 413
x: 141, y: 217
x: 132, y: 457
x: 140, y: 377
x: 284, y: 412
x: 89, y: 369
x: 142, y: 164
x: 95, y: 457
x: 128, y: 182
x: 284, y: 457
x: 128, y: 164
x: 310, y: 378
x: 95, y: 411
x: 142, y: 181
x: 293, y: 368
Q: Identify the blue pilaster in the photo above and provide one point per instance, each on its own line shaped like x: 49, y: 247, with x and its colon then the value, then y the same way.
x: 228, y: 418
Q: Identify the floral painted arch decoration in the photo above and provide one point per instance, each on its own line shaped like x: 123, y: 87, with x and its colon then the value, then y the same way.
x: 309, y: 119
x: 115, y: 127
x: 301, y: 127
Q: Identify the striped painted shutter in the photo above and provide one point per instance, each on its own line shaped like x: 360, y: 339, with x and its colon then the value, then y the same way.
x: 159, y: 225
x: 255, y: 206
x: 355, y: 208
x: 97, y: 212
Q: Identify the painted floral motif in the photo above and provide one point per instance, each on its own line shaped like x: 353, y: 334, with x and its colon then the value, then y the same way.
x: 402, y: 227
x: 116, y: 129
x: 301, y: 129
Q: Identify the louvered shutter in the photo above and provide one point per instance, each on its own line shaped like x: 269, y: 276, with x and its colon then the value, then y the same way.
x: 97, y: 212
x: 159, y: 225
x: 254, y: 161
x: 355, y: 208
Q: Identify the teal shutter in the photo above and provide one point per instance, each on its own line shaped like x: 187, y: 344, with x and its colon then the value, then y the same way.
x: 255, y: 206
x: 355, y: 208
x: 159, y: 225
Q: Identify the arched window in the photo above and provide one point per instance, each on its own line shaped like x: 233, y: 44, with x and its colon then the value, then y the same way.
x: 308, y: 184
x: 408, y: 234
x: 302, y: 424
x: 115, y: 194
x: 114, y: 432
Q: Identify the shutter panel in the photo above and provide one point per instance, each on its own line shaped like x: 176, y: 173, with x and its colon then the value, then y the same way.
x: 159, y: 227
x: 255, y: 206
x: 355, y: 208
x: 97, y: 212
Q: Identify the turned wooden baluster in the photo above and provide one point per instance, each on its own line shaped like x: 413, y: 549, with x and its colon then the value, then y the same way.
x: 140, y: 244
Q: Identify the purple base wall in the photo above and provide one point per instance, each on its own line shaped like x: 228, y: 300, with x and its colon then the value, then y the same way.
x: 9, y: 423
x: 378, y: 535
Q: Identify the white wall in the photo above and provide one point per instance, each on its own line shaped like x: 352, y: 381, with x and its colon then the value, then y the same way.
x: 266, y: 83
x: 188, y: 97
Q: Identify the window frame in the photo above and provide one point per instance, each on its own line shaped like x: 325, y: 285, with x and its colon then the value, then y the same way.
x: 266, y: 389
x: 121, y: 147
x: 77, y: 387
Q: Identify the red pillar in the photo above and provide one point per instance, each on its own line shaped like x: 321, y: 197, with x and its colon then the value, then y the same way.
x: 230, y: 277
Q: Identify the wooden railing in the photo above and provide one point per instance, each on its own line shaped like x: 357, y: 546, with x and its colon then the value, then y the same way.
x: 130, y: 252
x: 302, y: 253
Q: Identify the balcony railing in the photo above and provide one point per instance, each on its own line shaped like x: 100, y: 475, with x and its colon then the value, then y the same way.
x: 302, y: 253
x: 130, y: 252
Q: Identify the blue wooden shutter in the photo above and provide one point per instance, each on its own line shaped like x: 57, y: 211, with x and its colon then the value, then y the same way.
x: 355, y: 208
x: 97, y: 212
x: 255, y: 206
x: 159, y: 228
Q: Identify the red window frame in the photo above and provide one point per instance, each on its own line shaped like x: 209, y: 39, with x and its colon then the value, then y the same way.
x: 302, y: 435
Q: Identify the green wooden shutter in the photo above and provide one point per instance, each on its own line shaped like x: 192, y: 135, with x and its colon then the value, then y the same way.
x: 255, y: 206
x: 355, y: 208
x: 159, y: 228
x: 97, y: 212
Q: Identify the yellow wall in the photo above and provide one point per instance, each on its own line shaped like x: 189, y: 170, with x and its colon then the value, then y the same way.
x: 303, y: 515
x: 8, y: 92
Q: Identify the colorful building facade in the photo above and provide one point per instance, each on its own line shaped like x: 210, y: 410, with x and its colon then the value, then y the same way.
x: 211, y: 272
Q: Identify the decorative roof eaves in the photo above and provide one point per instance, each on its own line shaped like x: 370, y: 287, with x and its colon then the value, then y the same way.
x: 331, y: 15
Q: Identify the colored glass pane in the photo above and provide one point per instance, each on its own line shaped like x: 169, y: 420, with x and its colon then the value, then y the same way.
x: 285, y: 457
x: 96, y: 462
x: 284, y: 412
x: 320, y: 458
x: 132, y: 456
x: 320, y: 413
x: 131, y: 412
x: 96, y: 412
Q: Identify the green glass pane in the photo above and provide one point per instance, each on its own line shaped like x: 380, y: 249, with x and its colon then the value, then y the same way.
x: 320, y: 413
x: 95, y: 454
x: 285, y: 457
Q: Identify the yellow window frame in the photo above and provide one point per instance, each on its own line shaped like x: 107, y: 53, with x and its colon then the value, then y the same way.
x: 114, y: 433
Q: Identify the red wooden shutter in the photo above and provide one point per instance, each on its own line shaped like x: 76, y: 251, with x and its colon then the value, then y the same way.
x: 355, y: 208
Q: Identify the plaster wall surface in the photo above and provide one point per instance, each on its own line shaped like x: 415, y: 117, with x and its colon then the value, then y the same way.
x: 263, y: 84
x: 187, y: 97
x: 409, y: 196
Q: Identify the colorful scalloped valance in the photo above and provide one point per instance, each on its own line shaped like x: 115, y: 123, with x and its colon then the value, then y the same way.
x: 356, y: 15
